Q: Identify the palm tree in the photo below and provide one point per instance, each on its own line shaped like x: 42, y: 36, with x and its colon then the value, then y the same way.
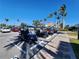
x: 58, y: 21
x: 2, y: 25
x: 45, y: 19
x: 43, y: 22
x: 50, y: 15
x: 6, y: 20
x: 18, y: 21
x: 63, y: 13
x: 36, y: 23
x: 23, y: 25
x: 56, y: 14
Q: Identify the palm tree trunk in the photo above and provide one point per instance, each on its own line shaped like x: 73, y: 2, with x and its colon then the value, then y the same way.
x: 62, y: 22
x: 57, y: 23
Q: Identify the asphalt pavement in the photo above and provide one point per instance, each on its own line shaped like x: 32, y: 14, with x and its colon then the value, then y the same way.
x: 55, y: 46
x: 4, y: 40
x: 10, y: 47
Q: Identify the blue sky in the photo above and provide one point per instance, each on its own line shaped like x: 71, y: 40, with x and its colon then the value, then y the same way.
x: 28, y: 10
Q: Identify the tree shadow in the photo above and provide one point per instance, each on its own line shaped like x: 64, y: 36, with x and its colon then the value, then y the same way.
x: 75, y: 47
x: 24, y: 47
x: 13, y: 42
x: 30, y: 53
x: 61, y: 53
x: 60, y: 33
x: 63, y: 50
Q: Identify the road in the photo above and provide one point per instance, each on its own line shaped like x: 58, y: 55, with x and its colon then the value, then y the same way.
x: 4, y: 40
x: 8, y: 50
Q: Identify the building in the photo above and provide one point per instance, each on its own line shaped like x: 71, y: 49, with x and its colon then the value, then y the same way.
x: 50, y: 24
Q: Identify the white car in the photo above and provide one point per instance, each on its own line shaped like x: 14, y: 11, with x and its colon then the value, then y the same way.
x: 5, y: 30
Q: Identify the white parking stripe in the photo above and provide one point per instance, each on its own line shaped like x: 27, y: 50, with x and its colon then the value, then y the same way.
x: 40, y: 43
x: 19, y: 48
x: 36, y: 45
x: 49, y: 37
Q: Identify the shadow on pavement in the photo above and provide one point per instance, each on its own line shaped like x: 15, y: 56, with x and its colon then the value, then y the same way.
x: 13, y: 42
x: 62, y: 52
x: 75, y: 47
x: 27, y: 53
x: 60, y: 33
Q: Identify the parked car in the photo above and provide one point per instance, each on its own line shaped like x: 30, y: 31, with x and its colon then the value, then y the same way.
x: 42, y: 32
x: 15, y: 29
x: 51, y: 30
x: 5, y: 30
x: 55, y: 30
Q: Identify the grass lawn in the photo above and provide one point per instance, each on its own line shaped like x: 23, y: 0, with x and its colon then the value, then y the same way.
x: 73, y: 34
x: 75, y: 46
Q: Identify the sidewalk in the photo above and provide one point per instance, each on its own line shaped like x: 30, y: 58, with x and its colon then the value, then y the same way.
x: 58, y: 48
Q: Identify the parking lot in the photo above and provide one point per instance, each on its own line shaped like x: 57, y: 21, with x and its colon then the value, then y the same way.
x: 8, y: 50
x: 4, y: 40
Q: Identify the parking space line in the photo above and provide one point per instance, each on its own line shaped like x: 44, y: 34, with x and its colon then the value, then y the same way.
x: 36, y: 45
x: 45, y: 44
x: 19, y: 48
x: 40, y: 43
x: 48, y: 37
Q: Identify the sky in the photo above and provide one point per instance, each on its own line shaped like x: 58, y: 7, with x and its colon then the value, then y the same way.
x: 28, y: 10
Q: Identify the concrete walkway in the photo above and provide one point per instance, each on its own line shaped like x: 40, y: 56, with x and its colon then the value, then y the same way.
x: 58, y: 48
